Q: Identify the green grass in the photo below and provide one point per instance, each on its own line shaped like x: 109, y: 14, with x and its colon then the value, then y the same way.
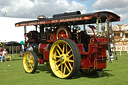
x: 12, y: 73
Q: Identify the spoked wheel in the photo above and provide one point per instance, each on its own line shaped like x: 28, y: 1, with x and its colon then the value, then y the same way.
x: 30, y: 62
x: 88, y: 71
x: 62, y: 32
x: 64, y: 58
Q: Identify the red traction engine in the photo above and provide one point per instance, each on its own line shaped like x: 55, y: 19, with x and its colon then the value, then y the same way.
x: 64, y: 44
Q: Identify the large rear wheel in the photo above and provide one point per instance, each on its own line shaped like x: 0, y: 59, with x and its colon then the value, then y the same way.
x: 62, y: 32
x: 64, y: 58
x: 30, y: 62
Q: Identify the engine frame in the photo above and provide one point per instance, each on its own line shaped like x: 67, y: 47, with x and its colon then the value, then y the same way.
x: 92, y: 48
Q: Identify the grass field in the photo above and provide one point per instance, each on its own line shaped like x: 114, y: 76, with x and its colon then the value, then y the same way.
x: 12, y: 73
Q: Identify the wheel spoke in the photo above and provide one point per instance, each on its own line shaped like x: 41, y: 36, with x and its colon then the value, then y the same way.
x: 55, y: 56
x: 61, y: 68
x: 57, y: 61
x: 64, y: 70
x: 31, y: 66
x: 27, y: 57
x: 71, y: 61
x: 30, y: 56
x: 70, y: 56
x: 69, y: 52
x: 63, y: 47
x: 67, y: 67
x: 32, y: 61
x: 60, y: 48
x: 58, y: 52
x: 27, y: 64
x: 57, y: 67
x: 70, y: 65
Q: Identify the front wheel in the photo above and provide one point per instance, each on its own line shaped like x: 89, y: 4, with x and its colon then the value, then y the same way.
x: 30, y: 62
x: 64, y: 58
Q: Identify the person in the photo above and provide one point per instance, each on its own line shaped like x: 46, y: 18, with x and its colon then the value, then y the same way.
x: 4, y: 53
x: 29, y: 47
x: 1, y: 56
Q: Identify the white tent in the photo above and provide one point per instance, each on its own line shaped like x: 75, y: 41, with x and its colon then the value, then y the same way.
x: 8, y: 31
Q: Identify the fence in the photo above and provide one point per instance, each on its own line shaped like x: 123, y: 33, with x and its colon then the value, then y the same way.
x: 122, y: 48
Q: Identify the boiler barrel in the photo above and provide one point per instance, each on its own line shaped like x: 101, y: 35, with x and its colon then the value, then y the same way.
x: 66, y: 14
x: 36, y: 49
x: 39, y: 49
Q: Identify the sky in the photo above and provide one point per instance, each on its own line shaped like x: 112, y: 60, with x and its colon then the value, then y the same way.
x: 8, y: 31
x: 33, y: 8
x: 24, y: 10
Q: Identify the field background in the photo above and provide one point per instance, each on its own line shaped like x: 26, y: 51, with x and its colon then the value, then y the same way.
x: 12, y: 73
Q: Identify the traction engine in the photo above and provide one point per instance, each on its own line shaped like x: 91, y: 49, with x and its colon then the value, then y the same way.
x: 65, y: 45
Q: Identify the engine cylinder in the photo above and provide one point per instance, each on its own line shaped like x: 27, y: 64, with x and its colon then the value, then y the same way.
x: 42, y: 48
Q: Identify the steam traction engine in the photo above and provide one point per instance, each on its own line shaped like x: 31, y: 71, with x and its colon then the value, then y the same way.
x: 63, y: 43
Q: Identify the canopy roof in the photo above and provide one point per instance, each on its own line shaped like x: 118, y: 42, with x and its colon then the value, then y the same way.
x: 12, y: 43
x: 73, y: 19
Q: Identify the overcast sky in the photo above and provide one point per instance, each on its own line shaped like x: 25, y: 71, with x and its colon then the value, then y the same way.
x: 33, y: 8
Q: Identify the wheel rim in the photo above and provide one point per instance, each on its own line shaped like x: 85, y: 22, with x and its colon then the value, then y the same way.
x: 62, y: 33
x: 9, y: 58
x: 61, y: 59
x: 28, y: 62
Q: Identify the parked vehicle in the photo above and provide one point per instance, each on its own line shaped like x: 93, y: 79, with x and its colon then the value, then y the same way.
x: 63, y: 43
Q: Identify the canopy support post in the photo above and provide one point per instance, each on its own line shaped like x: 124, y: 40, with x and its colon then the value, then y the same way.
x: 97, y: 27
x: 25, y: 36
x: 84, y: 27
x: 41, y: 32
x: 25, y: 33
x: 36, y: 27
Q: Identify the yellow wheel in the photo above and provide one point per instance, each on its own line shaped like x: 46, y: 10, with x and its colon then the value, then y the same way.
x: 10, y: 58
x: 64, y: 58
x: 30, y: 62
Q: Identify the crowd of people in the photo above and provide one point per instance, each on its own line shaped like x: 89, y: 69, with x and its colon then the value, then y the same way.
x: 4, y: 52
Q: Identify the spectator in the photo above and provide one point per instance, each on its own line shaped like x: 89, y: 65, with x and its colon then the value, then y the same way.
x: 1, y: 56
x: 4, y: 53
x: 29, y: 48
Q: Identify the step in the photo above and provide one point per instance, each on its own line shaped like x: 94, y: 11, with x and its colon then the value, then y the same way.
x: 111, y: 42
x: 112, y: 53
x: 115, y: 58
x: 112, y: 48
